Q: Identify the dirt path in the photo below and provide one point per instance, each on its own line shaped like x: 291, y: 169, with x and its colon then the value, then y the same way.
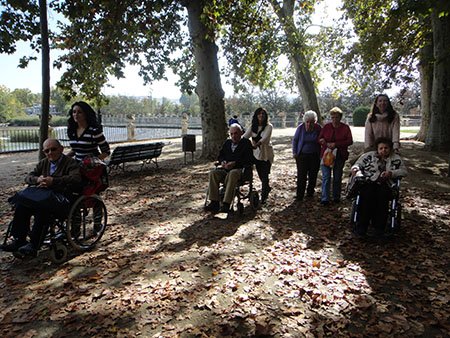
x: 165, y: 268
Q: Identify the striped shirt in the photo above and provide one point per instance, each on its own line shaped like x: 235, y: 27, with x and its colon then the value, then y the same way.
x: 88, y: 143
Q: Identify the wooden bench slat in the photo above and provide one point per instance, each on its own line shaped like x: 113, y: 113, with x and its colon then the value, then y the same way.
x: 135, y: 152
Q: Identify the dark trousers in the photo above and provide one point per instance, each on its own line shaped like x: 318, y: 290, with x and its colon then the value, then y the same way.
x: 373, y: 207
x: 307, y: 169
x: 263, y: 169
x: 21, y: 225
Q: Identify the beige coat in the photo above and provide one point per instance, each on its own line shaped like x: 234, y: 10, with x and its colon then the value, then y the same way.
x: 382, y: 128
x: 264, y: 152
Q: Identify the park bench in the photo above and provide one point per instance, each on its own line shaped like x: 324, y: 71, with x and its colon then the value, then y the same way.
x: 145, y: 152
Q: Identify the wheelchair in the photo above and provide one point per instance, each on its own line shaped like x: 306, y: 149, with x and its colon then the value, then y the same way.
x: 244, y: 191
x: 81, y: 230
x: 85, y: 223
x: 395, y: 208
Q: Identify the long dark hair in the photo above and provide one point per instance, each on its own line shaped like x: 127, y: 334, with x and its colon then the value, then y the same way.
x: 91, y: 117
x: 390, y: 110
x: 255, y: 123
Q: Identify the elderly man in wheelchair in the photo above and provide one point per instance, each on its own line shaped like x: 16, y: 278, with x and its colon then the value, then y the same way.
x: 51, y: 185
x: 236, y: 153
x: 376, y: 174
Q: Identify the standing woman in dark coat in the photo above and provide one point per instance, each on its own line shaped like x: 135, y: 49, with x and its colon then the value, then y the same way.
x: 306, y: 151
x: 85, y: 134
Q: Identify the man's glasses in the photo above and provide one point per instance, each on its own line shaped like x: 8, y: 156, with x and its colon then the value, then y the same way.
x: 50, y: 150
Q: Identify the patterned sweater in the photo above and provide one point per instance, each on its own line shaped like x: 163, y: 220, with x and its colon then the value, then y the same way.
x: 88, y: 143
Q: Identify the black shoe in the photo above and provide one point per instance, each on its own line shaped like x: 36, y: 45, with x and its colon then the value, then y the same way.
x: 28, y: 250
x: 13, y: 246
x: 310, y: 194
x: 225, y: 208
x: 324, y: 203
x: 337, y: 201
x: 213, y: 206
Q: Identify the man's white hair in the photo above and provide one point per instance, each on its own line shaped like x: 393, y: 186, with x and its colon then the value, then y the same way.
x: 236, y: 125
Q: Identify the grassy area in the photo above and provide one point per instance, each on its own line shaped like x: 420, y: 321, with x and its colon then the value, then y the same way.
x: 409, y: 129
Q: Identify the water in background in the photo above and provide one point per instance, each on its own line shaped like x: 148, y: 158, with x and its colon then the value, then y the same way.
x: 113, y: 135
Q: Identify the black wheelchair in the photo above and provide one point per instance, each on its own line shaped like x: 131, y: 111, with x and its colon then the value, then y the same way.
x: 244, y: 191
x: 81, y: 230
x: 84, y: 225
x: 395, y: 208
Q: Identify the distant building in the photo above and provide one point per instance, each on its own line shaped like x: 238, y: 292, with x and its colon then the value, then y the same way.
x: 36, y: 110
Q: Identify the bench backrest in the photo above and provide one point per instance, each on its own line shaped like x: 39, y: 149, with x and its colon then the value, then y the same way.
x: 135, y: 152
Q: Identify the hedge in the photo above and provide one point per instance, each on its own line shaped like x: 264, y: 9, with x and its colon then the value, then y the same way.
x: 360, y: 115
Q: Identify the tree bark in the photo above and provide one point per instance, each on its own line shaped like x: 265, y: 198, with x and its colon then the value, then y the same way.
x: 45, y: 103
x: 298, y: 59
x: 426, y: 80
x: 209, y: 87
x: 438, y: 137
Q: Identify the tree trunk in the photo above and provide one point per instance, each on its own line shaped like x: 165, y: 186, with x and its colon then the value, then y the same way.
x: 209, y: 87
x: 45, y: 103
x: 426, y: 80
x: 297, y: 56
x: 438, y: 137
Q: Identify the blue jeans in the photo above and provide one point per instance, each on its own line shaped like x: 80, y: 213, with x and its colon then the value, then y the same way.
x: 337, y: 180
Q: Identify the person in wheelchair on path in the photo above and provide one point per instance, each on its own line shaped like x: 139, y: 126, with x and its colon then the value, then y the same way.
x: 235, y: 154
x: 377, y: 170
x: 56, y: 172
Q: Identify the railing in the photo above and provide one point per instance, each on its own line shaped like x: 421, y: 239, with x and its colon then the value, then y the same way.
x: 16, y: 139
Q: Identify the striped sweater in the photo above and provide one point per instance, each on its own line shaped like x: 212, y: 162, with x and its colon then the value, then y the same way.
x: 88, y: 143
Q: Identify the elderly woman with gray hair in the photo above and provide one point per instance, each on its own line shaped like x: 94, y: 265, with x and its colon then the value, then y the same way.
x: 306, y: 151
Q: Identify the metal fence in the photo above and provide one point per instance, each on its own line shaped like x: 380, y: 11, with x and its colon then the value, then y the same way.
x: 16, y: 139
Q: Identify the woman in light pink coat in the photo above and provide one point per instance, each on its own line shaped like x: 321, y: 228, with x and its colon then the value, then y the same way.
x: 382, y: 121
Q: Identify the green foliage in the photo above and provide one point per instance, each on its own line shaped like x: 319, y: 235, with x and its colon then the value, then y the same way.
x: 390, y: 36
x: 360, y: 115
x: 58, y: 121
x: 35, y: 121
x: 27, y: 121
x: 99, y: 38
x: 19, y: 22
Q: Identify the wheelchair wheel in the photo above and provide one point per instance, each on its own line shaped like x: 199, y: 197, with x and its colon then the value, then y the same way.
x: 254, y: 200
x: 206, y: 197
x: 353, y: 214
x: 86, y: 222
x: 396, y: 218
x: 8, y: 233
x: 58, y: 253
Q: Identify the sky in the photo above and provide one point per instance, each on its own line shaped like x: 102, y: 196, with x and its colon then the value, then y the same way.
x: 132, y: 85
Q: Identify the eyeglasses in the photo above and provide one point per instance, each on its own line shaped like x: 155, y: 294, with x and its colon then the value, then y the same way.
x: 50, y: 150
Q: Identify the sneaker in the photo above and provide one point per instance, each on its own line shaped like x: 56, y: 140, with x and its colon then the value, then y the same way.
x: 13, y: 246
x: 28, y: 250
x: 213, y: 206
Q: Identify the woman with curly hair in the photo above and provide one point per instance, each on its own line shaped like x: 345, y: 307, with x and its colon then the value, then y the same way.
x: 85, y: 134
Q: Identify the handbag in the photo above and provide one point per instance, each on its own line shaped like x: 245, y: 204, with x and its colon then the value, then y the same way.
x: 38, y: 198
x: 95, y: 175
x: 328, y: 157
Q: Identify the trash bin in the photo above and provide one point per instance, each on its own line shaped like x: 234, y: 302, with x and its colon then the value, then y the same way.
x: 188, y: 145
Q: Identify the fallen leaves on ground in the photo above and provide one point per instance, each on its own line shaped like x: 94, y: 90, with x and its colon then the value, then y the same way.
x: 166, y: 268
